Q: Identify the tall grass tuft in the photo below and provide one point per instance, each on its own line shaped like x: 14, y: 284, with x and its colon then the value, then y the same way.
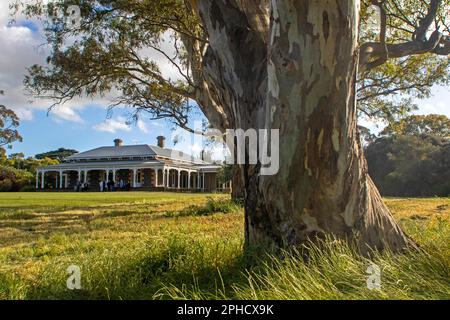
x: 211, y: 207
x: 196, y: 252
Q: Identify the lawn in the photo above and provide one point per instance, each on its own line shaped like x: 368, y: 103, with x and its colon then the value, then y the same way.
x: 142, y: 245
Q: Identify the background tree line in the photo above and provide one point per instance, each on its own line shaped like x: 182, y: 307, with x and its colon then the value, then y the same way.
x: 17, y: 172
x: 233, y: 62
x: 411, y: 157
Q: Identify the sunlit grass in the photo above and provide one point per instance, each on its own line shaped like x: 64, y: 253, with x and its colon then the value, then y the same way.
x: 178, y: 246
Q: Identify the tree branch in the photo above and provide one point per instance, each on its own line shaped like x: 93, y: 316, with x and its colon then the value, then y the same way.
x: 425, y: 23
x: 374, y: 54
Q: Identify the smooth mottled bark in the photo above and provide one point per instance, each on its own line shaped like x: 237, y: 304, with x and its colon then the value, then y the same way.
x: 238, y: 188
x: 297, y: 74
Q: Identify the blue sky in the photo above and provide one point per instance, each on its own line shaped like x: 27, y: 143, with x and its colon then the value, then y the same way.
x: 47, y: 132
x: 83, y: 124
x: 80, y: 124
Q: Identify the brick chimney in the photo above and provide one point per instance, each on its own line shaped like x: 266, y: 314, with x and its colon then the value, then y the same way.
x: 161, y: 142
x: 118, y: 142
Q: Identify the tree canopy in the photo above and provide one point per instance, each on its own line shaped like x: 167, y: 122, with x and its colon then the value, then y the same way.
x: 58, y: 154
x: 432, y: 124
x: 120, y: 45
x: 296, y: 67
x: 410, y: 165
x: 9, y: 122
x: 17, y: 173
x: 412, y: 55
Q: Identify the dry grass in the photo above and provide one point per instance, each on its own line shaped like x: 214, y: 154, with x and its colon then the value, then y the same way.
x: 165, y: 245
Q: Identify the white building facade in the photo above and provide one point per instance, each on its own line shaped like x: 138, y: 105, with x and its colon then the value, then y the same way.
x: 139, y: 167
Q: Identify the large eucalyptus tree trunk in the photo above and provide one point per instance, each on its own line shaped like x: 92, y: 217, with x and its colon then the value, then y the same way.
x: 297, y: 74
x: 237, y: 185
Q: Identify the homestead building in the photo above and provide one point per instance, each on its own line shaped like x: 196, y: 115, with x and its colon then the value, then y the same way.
x: 142, y: 167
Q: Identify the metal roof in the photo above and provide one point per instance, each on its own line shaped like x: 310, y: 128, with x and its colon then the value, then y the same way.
x: 143, y: 150
x: 117, y: 165
x: 102, y: 164
x: 114, y: 152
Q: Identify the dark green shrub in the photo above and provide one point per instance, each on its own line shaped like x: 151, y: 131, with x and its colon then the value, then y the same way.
x: 28, y: 188
x: 12, y: 179
x: 212, y: 206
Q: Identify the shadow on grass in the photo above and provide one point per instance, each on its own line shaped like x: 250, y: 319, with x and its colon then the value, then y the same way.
x: 18, y: 211
x: 212, y: 206
x: 177, y: 270
x: 68, y: 222
x: 182, y: 263
x: 182, y: 268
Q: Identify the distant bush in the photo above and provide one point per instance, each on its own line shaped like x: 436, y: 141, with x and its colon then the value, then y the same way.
x: 12, y: 179
x: 28, y: 188
x: 410, y: 166
x: 5, y: 185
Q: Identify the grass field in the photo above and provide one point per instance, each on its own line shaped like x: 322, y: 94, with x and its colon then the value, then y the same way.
x: 176, y: 246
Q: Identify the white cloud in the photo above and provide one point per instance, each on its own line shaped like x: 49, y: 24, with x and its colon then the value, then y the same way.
x: 195, y: 148
x: 65, y: 112
x: 23, y: 45
x: 374, y: 126
x: 112, y: 125
x: 429, y: 108
x: 167, y: 68
x: 21, y: 48
x: 437, y: 104
x: 142, y: 126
